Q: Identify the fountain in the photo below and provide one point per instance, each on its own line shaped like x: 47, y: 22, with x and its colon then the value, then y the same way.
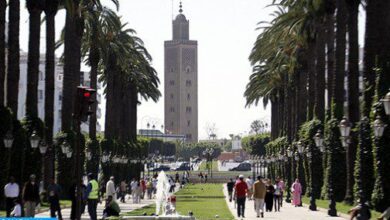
x: 165, y: 202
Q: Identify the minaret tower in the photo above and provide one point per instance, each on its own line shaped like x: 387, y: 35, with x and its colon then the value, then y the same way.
x: 181, y: 80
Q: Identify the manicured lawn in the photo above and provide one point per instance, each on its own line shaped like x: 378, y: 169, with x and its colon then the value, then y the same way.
x: 63, y: 203
x: 2, y: 213
x: 204, y: 200
x: 341, y: 207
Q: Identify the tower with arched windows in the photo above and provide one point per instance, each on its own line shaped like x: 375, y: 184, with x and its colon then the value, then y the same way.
x: 181, y: 81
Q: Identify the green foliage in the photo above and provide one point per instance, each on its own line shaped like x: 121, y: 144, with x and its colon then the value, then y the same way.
x: 186, y: 151
x: 255, y: 144
x: 274, y: 148
x: 381, y: 192
x: 313, y: 167
x: 364, y: 175
x: 335, y: 171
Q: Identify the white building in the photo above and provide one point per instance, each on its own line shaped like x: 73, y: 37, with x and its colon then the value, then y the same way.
x: 57, y: 93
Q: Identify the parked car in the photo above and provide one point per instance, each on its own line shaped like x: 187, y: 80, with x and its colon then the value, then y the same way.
x: 242, y: 167
x: 183, y: 167
x: 162, y: 168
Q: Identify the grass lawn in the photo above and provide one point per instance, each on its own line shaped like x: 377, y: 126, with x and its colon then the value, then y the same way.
x: 341, y: 207
x: 2, y: 213
x: 63, y: 203
x: 203, y: 166
x: 204, y: 200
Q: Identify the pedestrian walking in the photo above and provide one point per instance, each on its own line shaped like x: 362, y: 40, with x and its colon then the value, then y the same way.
x: 31, y: 196
x: 149, y: 189
x: 277, y: 196
x: 230, y: 187
x: 282, y: 187
x: 93, y: 196
x: 205, y: 177
x: 134, y: 186
x: 143, y: 188
x: 249, y: 182
x: 110, y: 188
x: 269, y: 196
x: 201, y: 177
x: 11, y: 192
x: 122, y: 189
x: 177, y: 177
x: 54, y: 191
x: 241, y: 190
x: 296, y: 190
x: 259, y: 191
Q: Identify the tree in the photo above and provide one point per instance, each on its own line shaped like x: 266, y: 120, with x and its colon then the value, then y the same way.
x: 13, y: 69
x: 258, y: 126
x: 35, y: 8
x: 50, y: 9
x: 3, y: 7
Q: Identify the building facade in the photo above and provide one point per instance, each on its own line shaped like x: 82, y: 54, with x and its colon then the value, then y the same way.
x: 181, y: 81
x: 84, y: 79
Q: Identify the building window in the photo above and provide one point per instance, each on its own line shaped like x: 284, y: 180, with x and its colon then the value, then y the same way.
x: 171, y: 70
x: 41, y: 76
x: 188, y: 69
x: 188, y: 96
x: 172, y: 109
x: 188, y: 123
x: 40, y: 94
x: 172, y: 123
x: 60, y: 97
x: 171, y: 96
x: 188, y: 83
x: 188, y: 109
x: 171, y: 82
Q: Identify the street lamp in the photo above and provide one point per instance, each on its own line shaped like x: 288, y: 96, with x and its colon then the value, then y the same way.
x: 309, y: 155
x: 319, y: 141
x: 300, y: 147
x: 88, y: 154
x: 34, y: 140
x: 379, y: 127
x: 345, y: 127
x: 69, y: 154
x: 386, y: 103
x: 43, y: 147
x: 8, y: 140
x: 296, y: 156
x: 65, y: 147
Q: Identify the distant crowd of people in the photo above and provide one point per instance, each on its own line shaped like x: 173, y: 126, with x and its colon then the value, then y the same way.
x: 263, y: 192
x: 23, y: 202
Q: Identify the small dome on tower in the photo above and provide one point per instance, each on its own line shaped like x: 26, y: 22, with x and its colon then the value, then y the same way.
x: 181, y: 17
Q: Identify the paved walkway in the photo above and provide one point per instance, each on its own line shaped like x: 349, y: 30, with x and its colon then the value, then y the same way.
x: 125, y: 207
x: 286, y: 212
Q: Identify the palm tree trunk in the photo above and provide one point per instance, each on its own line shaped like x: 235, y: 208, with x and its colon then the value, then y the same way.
x: 353, y: 92
x: 33, y: 59
x: 50, y: 11
x: 302, y: 87
x: 72, y: 50
x: 94, y: 60
x: 319, y: 110
x: 13, y: 69
x: 274, y: 118
x: 3, y: 7
x: 340, y: 59
x: 330, y: 53
x: 311, y: 78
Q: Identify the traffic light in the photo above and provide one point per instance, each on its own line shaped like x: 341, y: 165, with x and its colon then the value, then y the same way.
x: 85, y: 95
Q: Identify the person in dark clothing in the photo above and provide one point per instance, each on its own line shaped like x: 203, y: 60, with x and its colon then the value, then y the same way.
x: 54, y: 191
x: 111, y: 209
x: 230, y: 187
x: 31, y: 196
x: 73, y: 198
x: 269, y: 196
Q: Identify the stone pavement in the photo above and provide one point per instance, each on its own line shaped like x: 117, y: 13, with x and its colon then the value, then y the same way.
x: 125, y: 207
x: 286, y: 212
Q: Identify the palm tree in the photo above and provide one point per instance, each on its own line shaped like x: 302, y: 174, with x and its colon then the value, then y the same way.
x: 50, y: 9
x: 3, y: 7
x: 339, y: 93
x: 353, y: 91
x: 13, y: 69
x: 330, y: 54
x: 35, y: 9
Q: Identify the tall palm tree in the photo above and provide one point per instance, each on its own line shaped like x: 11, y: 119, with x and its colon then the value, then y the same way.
x: 353, y: 91
x: 339, y: 93
x: 330, y: 6
x: 35, y: 8
x: 13, y: 69
x: 50, y: 9
x: 3, y: 7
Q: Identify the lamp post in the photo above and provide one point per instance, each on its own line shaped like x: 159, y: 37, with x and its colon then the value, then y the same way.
x: 386, y: 103
x: 309, y: 154
x: 209, y: 153
x: 8, y: 140
x: 34, y: 140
